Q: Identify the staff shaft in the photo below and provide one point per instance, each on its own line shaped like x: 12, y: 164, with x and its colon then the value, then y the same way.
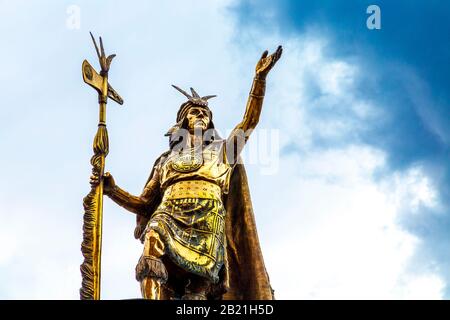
x: 97, y: 248
x: 97, y: 254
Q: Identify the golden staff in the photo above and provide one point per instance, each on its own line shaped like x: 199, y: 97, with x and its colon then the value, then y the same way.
x: 93, y: 202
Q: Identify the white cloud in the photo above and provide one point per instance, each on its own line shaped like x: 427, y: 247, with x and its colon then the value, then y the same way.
x: 336, y: 236
x: 335, y: 77
x: 425, y: 287
x: 413, y: 190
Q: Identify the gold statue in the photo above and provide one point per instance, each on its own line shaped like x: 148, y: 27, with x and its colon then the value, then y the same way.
x: 194, y: 215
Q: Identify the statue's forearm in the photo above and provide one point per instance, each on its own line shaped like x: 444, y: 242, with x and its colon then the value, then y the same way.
x: 142, y: 205
x: 254, y: 104
x: 240, y: 134
x: 126, y: 200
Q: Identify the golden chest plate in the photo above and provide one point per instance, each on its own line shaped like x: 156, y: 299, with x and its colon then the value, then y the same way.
x: 187, y: 162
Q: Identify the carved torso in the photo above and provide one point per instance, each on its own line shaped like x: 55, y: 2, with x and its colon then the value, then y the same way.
x: 210, y: 164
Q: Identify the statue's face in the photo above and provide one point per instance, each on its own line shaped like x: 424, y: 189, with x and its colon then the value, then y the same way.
x: 198, y: 118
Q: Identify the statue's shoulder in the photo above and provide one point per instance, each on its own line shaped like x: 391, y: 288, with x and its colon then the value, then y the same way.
x: 162, y: 158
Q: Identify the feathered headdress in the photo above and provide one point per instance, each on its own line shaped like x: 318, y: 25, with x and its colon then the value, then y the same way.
x: 193, y: 100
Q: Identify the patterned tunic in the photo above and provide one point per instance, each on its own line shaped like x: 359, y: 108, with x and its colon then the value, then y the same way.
x: 191, y: 217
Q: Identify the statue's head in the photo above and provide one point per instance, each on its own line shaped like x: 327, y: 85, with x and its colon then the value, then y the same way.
x: 197, y: 117
x: 193, y: 114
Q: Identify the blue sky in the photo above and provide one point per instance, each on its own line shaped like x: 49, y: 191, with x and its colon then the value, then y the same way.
x: 358, y: 203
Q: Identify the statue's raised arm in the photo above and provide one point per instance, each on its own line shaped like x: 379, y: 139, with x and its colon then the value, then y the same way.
x: 242, y: 131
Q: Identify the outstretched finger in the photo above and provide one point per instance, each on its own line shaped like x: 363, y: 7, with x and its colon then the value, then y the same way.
x: 265, y: 53
x: 278, y: 53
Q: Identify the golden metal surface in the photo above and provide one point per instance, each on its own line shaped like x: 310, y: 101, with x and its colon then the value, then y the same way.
x: 187, y: 162
x: 195, y: 189
x: 151, y: 289
x: 192, y: 230
x: 93, y: 202
x: 153, y: 247
x: 213, y: 168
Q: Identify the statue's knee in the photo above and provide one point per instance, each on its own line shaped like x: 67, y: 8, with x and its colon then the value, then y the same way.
x: 150, y: 264
x: 153, y: 245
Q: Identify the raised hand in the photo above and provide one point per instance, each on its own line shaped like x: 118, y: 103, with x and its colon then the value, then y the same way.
x: 266, y: 62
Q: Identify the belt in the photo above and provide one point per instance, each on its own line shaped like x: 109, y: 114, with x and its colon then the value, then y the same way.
x: 193, y: 189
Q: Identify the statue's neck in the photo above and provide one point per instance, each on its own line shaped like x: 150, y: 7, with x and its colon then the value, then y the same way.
x: 195, y: 140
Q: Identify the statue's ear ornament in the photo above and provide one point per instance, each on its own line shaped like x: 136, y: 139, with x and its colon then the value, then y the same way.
x: 195, y: 97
